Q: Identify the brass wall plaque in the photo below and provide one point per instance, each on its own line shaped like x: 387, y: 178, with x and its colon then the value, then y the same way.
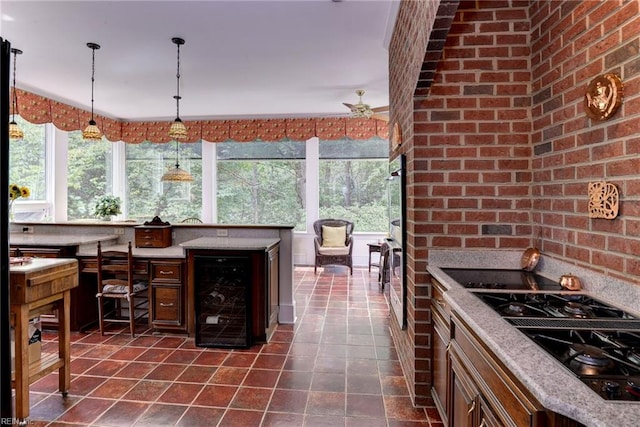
x: 396, y: 136
x: 603, y: 97
x: 603, y: 200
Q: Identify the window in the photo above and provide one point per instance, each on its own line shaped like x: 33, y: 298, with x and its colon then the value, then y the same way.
x: 352, y: 182
x: 89, y: 174
x: 147, y: 196
x: 261, y: 183
x: 27, y: 160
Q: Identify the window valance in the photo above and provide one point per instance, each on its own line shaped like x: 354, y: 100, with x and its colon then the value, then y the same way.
x: 38, y: 109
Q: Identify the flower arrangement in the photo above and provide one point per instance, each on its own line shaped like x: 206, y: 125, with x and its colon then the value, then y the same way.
x: 15, y: 192
x: 107, y: 206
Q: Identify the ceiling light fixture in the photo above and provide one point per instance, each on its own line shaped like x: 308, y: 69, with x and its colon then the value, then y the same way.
x: 92, y: 132
x: 14, y: 130
x: 178, y: 129
x: 176, y: 174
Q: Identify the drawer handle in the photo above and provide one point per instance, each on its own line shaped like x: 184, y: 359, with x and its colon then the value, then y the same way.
x: 473, y: 406
x: 165, y: 272
x: 440, y: 303
x: 448, y: 349
x: 164, y: 304
x: 483, y: 423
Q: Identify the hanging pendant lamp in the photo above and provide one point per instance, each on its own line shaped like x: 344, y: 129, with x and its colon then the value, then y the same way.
x: 92, y: 132
x: 14, y: 130
x: 176, y: 174
x: 177, y: 131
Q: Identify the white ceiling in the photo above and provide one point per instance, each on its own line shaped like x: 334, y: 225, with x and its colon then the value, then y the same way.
x: 260, y: 58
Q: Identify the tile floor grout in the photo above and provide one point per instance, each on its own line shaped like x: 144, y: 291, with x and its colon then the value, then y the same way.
x: 336, y: 367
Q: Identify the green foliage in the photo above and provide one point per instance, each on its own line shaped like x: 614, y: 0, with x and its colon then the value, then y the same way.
x: 107, y: 206
x: 148, y: 196
x: 27, y: 159
x: 88, y: 174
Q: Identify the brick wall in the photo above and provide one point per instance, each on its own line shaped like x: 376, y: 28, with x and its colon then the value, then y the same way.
x: 500, y: 151
x: 573, y: 42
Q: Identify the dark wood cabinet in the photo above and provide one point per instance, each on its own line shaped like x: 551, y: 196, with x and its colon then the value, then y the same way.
x: 167, y: 291
x: 471, y: 385
x: 259, y: 296
x: 154, y: 236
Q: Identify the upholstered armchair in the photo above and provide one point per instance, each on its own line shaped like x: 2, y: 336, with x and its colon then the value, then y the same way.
x: 333, y: 243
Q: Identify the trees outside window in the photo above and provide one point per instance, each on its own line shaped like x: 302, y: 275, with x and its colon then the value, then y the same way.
x: 352, y: 182
x: 261, y: 183
x: 89, y: 174
x: 27, y: 165
x: 147, y: 196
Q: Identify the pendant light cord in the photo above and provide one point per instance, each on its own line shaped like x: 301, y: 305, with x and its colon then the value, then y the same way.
x: 93, y: 73
x: 177, y: 97
x: 15, y: 95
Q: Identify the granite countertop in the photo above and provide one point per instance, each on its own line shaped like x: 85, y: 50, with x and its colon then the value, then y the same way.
x: 58, y: 239
x: 38, y: 264
x: 545, y: 377
x: 230, y: 243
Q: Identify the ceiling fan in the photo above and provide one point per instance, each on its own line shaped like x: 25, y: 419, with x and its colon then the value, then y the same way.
x: 362, y: 110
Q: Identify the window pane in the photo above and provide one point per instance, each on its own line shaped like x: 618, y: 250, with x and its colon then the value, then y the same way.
x: 89, y: 174
x: 147, y: 196
x: 27, y: 160
x: 353, y: 183
x: 267, y: 188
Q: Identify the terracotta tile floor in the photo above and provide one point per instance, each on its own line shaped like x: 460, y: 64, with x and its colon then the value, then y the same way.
x: 336, y: 367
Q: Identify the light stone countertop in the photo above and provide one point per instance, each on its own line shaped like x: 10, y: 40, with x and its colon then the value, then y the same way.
x: 60, y: 239
x: 231, y: 243
x: 545, y: 377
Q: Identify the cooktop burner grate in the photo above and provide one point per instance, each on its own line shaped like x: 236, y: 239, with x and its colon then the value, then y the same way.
x: 569, y: 323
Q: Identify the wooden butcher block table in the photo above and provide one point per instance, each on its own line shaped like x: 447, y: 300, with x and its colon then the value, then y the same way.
x: 38, y: 287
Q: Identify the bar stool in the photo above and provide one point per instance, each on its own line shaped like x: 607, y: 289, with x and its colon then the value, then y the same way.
x: 374, y: 248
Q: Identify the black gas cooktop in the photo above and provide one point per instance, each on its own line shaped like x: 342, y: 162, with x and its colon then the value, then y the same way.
x: 598, y: 342
x: 495, y: 279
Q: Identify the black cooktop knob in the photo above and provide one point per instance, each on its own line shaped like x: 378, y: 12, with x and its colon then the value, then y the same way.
x: 612, y: 389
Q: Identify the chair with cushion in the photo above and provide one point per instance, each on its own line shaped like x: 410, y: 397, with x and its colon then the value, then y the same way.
x: 333, y: 243
x: 116, y: 283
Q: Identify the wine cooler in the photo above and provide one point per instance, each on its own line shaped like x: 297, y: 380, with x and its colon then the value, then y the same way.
x: 223, y: 301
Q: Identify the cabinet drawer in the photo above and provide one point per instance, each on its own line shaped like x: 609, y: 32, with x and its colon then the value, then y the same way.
x: 153, y: 237
x: 90, y: 265
x: 167, y: 307
x: 166, y: 272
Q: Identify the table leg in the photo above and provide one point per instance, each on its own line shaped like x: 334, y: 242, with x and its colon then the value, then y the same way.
x: 21, y: 313
x: 64, y: 342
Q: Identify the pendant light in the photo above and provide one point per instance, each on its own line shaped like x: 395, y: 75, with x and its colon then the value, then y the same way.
x: 176, y: 174
x: 178, y: 130
x: 92, y: 132
x: 14, y: 130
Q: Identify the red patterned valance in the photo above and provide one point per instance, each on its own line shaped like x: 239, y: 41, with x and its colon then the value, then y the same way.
x: 38, y: 109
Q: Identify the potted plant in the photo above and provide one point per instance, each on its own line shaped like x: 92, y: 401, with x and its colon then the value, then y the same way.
x: 107, y: 206
x: 15, y: 192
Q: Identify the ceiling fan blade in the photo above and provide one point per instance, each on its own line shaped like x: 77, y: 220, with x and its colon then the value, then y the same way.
x: 349, y: 106
x: 380, y: 109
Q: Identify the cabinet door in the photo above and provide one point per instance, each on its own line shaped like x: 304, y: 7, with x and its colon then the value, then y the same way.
x: 486, y: 416
x: 273, y: 288
x: 440, y: 364
x: 463, y: 394
x: 166, y: 305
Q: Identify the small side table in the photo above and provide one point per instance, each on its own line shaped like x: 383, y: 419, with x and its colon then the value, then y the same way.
x: 374, y: 247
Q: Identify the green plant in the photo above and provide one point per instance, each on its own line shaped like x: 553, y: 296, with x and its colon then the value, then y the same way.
x: 107, y: 206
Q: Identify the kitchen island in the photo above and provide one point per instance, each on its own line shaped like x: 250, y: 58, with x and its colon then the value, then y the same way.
x: 531, y: 384
x: 233, y: 290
